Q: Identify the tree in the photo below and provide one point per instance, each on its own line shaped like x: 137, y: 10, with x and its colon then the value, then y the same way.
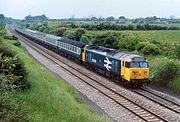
x: 79, y: 32
x: 94, y: 19
x: 106, y: 39
x: 36, y: 18
x: 2, y: 18
x: 59, y: 31
x: 110, y: 18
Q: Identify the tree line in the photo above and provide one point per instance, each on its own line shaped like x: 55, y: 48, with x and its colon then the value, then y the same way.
x: 110, y: 26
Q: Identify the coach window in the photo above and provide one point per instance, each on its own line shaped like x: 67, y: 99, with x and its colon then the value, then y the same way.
x: 72, y: 48
x: 79, y: 50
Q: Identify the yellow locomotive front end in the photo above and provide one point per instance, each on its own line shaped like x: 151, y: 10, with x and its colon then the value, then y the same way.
x: 135, y: 70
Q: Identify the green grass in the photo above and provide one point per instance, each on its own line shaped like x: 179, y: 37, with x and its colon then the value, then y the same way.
x: 49, y: 99
x: 169, y: 36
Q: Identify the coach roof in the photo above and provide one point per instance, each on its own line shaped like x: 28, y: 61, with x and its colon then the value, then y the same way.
x: 72, y: 42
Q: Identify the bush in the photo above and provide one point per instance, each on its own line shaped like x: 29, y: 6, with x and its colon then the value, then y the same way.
x: 13, y: 70
x: 177, y: 51
x: 10, y: 111
x: 59, y: 31
x: 129, y: 41
x: 166, y: 71
x: 85, y: 39
x: 10, y: 37
x: 148, y: 48
x: 106, y: 39
x: 17, y: 43
x: 70, y: 34
x: 79, y: 32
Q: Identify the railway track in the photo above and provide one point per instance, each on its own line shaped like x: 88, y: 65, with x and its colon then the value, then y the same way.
x: 143, y: 113
x: 159, y: 99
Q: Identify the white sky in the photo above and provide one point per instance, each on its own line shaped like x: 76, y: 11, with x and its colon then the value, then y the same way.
x: 84, y: 8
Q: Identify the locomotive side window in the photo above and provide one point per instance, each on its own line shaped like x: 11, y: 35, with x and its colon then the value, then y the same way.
x: 127, y: 64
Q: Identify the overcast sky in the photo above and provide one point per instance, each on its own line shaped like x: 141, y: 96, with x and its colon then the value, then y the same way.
x: 84, y: 8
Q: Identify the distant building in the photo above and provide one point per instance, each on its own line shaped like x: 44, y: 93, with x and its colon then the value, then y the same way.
x: 157, y: 21
x: 121, y: 19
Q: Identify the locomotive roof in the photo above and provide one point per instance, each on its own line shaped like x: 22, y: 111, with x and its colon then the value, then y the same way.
x: 72, y: 42
x: 114, y: 53
x: 102, y: 50
x: 129, y: 57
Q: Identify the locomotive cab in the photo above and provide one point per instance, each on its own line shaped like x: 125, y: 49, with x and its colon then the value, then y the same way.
x: 135, y: 71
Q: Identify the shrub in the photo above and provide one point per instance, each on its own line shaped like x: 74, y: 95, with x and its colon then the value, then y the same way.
x: 166, y: 71
x: 10, y: 111
x: 14, y: 71
x: 17, y: 43
x: 10, y: 37
x: 129, y: 41
x: 85, y: 39
x: 70, y: 34
x: 59, y: 31
x: 177, y: 51
x: 14, y: 37
x: 79, y: 32
x: 148, y: 48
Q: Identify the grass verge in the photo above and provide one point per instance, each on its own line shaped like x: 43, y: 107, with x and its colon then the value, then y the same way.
x: 48, y: 98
